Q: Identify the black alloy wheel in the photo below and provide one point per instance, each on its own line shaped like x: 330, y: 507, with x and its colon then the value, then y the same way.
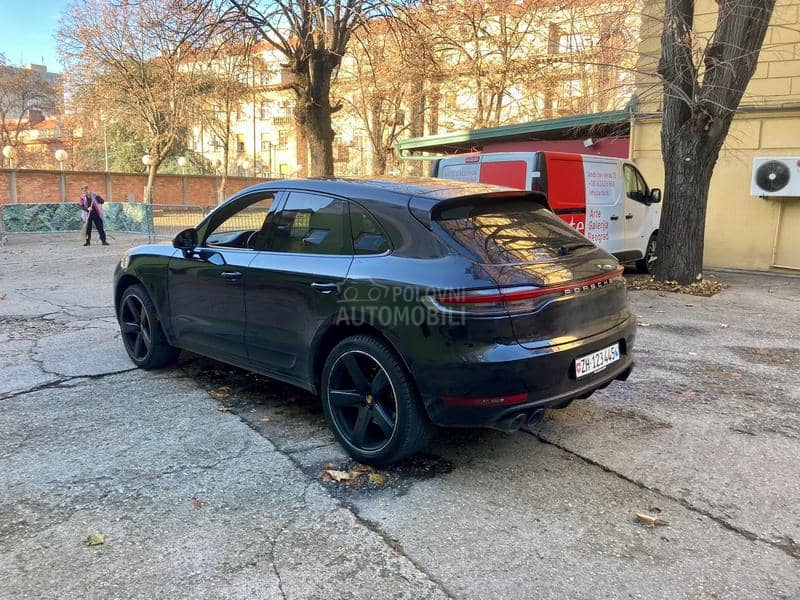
x: 136, y: 327
x: 371, y: 403
x: 141, y: 331
x: 362, y: 399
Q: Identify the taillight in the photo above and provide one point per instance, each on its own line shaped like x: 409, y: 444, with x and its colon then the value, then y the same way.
x: 514, y: 300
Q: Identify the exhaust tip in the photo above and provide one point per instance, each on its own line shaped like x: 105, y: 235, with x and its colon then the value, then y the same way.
x: 510, y: 424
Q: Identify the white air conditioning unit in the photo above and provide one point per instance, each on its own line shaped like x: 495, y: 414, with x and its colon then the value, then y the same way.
x: 776, y: 176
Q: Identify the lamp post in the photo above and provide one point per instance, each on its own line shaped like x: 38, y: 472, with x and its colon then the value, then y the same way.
x: 61, y: 156
x: 147, y: 160
x: 10, y: 153
x: 244, y: 164
x: 182, y: 164
x: 105, y: 141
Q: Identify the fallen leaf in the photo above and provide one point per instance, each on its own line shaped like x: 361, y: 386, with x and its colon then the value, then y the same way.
x: 650, y: 521
x: 338, y: 475
x: 329, y: 465
x: 264, y: 419
x: 643, y: 324
x: 723, y: 325
x: 220, y: 393
x: 359, y: 468
x: 224, y: 408
x: 377, y: 478
x: 2, y: 296
x: 197, y: 503
x: 96, y: 539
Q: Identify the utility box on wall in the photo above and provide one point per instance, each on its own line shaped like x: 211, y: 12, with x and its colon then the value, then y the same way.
x: 776, y: 176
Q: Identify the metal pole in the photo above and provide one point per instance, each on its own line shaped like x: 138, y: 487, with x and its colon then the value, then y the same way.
x: 105, y: 145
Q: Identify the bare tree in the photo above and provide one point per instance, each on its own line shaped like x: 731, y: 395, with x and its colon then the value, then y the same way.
x: 700, y: 100
x: 312, y: 35
x: 227, y: 83
x: 21, y: 91
x: 382, y: 77
x: 135, y: 61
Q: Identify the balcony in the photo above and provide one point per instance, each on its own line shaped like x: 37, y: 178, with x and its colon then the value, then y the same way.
x: 282, y: 121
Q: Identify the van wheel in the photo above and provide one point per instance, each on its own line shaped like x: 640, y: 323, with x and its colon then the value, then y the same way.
x: 142, y: 335
x: 371, y: 403
x: 646, y: 265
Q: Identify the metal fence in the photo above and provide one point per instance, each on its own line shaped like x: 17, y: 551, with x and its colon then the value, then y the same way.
x: 156, y: 221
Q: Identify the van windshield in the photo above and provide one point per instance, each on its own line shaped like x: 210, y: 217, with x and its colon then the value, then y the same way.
x: 508, y: 230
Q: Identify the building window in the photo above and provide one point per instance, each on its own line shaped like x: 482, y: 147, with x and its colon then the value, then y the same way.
x: 240, y: 142
x: 263, y: 111
x: 283, y: 139
x: 265, y: 143
x: 283, y: 169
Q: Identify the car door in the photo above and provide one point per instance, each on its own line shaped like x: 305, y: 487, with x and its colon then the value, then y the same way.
x: 295, y: 281
x: 207, y: 285
x: 637, y: 212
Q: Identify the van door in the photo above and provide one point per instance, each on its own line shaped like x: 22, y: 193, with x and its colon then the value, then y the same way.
x: 637, y: 213
x: 604, y: 203
x: 566, y: 188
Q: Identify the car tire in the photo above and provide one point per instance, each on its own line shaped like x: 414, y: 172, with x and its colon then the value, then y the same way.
x: 141, y: 330
x: 371, y: 403
x: 645, y: 265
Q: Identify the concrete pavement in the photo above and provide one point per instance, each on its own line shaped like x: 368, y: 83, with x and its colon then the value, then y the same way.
x: 200, y: 497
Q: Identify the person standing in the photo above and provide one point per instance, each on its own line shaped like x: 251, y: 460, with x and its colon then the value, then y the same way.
x: 92, y: 213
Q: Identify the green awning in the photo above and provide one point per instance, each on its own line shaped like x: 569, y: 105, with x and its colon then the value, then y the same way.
x: 598, y: 124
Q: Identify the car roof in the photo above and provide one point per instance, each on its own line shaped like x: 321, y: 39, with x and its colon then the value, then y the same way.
x: 397, y: 189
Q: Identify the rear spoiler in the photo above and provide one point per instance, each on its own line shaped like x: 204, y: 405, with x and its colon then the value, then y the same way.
x: 423, y: 207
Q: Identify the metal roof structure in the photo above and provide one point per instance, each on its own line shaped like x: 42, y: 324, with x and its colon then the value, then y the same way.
x: 609, y: 123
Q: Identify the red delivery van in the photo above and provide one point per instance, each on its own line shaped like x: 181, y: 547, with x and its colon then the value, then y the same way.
x: 606, y: 199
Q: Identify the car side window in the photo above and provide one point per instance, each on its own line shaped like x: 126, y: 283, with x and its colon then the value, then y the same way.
x: 240, y: 223
x: 635, y: 187
x: 368, y: 237
x: 311, y: 224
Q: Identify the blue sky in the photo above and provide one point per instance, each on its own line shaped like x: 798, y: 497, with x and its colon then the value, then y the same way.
x: 28, y: 30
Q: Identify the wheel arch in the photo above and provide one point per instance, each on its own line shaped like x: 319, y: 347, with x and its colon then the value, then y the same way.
x: 335, y: 333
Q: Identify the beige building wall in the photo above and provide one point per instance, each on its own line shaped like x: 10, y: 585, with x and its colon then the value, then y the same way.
x: 742, y: 231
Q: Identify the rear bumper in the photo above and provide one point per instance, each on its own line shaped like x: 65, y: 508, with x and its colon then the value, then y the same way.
x: 545, y: 376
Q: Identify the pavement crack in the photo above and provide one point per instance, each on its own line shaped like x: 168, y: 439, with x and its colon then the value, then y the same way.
x: 786, y: 545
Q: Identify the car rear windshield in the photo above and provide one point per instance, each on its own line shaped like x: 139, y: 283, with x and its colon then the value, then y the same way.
x: 502, y: 230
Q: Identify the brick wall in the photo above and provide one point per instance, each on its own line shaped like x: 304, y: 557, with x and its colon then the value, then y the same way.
x: 36, y: 186
x: 5, y: 197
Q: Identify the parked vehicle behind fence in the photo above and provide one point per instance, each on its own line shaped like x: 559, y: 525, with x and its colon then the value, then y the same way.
x: 404, y: 304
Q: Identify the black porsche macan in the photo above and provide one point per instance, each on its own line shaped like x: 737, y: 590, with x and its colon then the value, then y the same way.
x: 403, y: 303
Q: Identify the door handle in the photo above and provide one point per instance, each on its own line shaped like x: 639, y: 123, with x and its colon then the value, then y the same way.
x: 629, y: 216
x: 231, y: 275
x: 324, y: 288
x: 615, y: 217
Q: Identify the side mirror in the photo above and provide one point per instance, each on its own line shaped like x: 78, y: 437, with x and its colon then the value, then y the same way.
x: 655, y: 195
x: 186, y: 240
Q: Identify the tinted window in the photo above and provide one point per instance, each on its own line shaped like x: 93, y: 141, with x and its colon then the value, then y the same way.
x: 235, y: 225
x: 503, y: 230
x: 368, y: 237
x: 311, y: 224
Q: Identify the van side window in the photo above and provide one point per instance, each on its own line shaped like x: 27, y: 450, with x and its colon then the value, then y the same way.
x: 635, y: 187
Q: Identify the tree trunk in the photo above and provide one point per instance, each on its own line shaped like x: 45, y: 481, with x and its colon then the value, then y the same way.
x: 151, y: 179
x: 378, y: 162
x: 688, y: 167
x: 313, y: 113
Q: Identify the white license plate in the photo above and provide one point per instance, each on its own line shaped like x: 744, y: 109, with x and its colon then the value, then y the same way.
x: 596, y: 361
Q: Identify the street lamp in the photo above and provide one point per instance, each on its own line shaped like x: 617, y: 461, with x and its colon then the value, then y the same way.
x: 182, y: 164
x: 245, y: 164
x: 61, y: 155
x: 147, y: 160
x: 10, y: 153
